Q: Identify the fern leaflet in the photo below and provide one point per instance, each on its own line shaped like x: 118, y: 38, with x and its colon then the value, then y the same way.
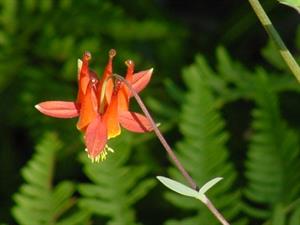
x: 115, y: 186
x: 38, y: 202
x: 203, y: 150
x: 273, y: 154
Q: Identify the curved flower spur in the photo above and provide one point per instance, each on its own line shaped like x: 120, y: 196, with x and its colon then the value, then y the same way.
x: 102, y: 105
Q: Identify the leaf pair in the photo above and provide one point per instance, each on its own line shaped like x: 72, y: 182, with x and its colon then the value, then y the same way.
x: 187, y: 191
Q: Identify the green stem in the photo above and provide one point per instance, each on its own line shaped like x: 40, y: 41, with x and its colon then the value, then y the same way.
x: 273, y: 34
x: 171, y: 153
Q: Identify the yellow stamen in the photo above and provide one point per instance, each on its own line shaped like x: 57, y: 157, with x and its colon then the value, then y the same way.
x: 102, y: 156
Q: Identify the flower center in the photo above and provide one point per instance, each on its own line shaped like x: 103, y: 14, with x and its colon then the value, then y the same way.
x: 102, y: 155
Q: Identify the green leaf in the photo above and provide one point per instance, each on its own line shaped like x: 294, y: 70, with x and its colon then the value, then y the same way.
x: 76, y: 218
x: 292, y: 3
x: 203, y: 147
x: 114, y: 187
x: 295, y: 217
x: 273, y: 152
x: 278, y: 217
x: 187, y: 191
x: 209, y: 185
x: 178, y: 187
x: 39, y: 201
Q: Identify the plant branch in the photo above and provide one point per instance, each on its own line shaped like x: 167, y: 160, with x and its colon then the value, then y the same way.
x: 170, y: 152
x: 158, y: 133
x: 273, y: 34
x: 215, y: 211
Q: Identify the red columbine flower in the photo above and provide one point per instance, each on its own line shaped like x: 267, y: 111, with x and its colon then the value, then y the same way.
x: 102, y: 105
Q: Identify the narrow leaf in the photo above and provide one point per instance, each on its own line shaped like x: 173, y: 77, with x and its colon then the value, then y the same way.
x: 279, y: 216
x: 292, y: 3
x: 295, y: 217
x: 209, y: 185
x: 178, y: 187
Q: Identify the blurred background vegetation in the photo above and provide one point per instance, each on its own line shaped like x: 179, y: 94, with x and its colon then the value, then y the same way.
x: 224, y: 99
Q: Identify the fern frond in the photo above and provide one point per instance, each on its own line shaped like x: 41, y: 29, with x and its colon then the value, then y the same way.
x: 115, y: 186
x: 38, y: 202
x: 272, y: 158
x: 232, y: 81
x: 202, y: 150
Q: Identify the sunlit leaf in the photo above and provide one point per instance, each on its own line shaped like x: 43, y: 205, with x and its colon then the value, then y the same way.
x: 178, y: 187
x: 292, y: 3
x: 209, y: 185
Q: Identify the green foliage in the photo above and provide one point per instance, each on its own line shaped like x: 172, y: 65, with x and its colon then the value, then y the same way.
x: 38, y: 200
x: 271, y: 54
x: 271, y: 191
x: 272, y: 156
x: 187, y: 191
x: 203, y: 150
x: 115, y: 186
x: 232, y: 81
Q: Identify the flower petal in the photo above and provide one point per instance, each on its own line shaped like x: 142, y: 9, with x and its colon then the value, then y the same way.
x: 107, y: 72
x: 130, y: 70
x: 84, y: 76
x: 88, y: 108
x: 84, y: 82
x: 108, y: 90
x: 95, y: 137
x: 123, y: 100
x: 140, y: 80
x: 58, y: 109
x: 124, y: 92
x: 135, y: 122
x: 79, y: 65
x: 111, y: 117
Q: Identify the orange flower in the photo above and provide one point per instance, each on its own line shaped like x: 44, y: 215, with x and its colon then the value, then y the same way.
x: 102, y: 105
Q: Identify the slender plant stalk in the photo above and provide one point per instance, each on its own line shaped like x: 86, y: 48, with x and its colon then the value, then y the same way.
x: 273, y: 34
x: 216, y: 213
x: 170, y: 152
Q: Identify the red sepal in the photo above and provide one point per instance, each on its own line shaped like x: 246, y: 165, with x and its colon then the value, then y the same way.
x: 58, y: 109
x: 135, y: 122
x: 96, y: 137
x: 140, y: 80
